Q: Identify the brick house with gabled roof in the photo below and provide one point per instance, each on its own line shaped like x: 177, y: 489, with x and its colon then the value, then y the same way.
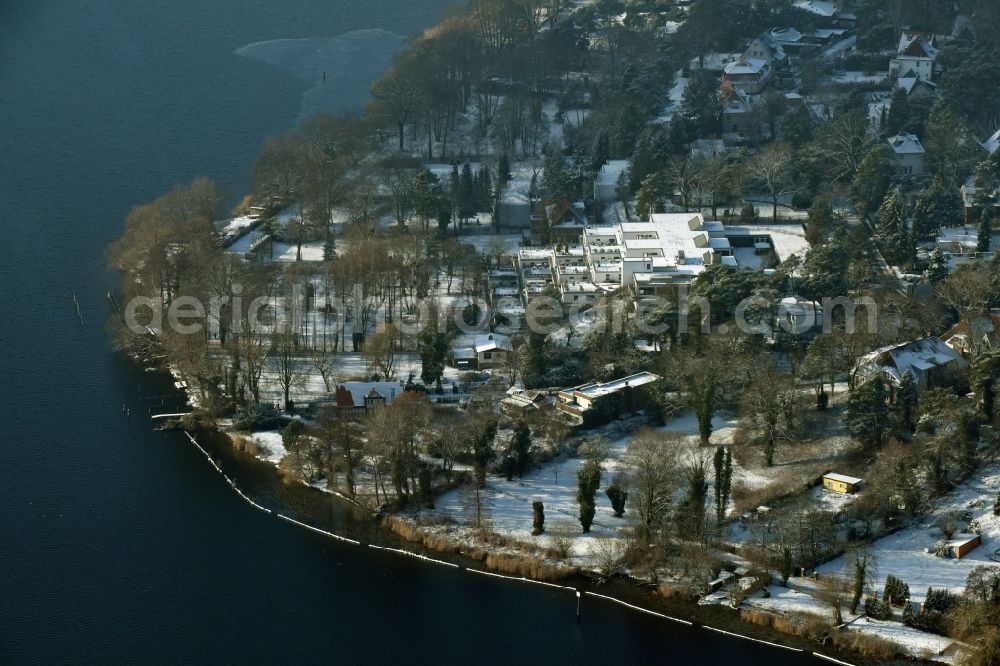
x: 354, y: 399
x: 974, y: 334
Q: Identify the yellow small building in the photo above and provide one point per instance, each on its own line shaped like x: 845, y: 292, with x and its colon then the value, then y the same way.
x: 840, y: 483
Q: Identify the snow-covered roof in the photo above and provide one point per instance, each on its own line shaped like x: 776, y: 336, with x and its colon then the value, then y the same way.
x: 819, y: 7
x: 916, y: 44
x: 955, y: 237
x: 490, y: 342
x: 992, y: 144
x: 580, y: 288
x: 238, y: 224
x: 909, y: 83
x: 597, y: 389
x: 746, y: 66
x: 467, y: 346
x: 905, y: 144
x: 826, y: 33
x: 786, y: 239
x: 916, y: 356
x: 713, y: 62
x: 534, y: 253
x: 563, y: 209
x: 797, y: 304
x: 520, y: 401
x: 737, y: 101
x: 974, y: 334
x: 786, y: 35
x: 843, y: 478
x: 963, y: 540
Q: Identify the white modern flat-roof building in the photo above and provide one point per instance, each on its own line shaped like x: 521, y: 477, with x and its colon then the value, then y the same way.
x: 667, y: 250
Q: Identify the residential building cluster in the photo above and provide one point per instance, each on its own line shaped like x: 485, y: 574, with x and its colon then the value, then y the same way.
x: 648, y: 258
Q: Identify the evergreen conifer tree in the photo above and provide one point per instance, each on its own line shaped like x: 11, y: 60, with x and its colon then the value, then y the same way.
x: 588, y: 480
x: 867, y: 412
x: 891, y: 229
x: 906, y: 401
x: 617, y: 494
x: 537, y: 517
x: 984, y: 232
x: 521, y: 448
x: 937, y: 266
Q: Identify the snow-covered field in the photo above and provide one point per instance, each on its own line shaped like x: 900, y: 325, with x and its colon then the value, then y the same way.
x: 800, y: 601
x: 507, y: 504
x: 902, y: 554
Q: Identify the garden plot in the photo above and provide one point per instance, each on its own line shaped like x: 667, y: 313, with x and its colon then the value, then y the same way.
x: 902, y: 554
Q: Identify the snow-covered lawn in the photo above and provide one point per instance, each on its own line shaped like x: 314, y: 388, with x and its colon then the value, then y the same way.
x: 348, y: 366
x: 311, y: 251
x: 914, y: 642
x: 674, y: 97
x: 583, y: 323
x: 860, y: 77
x: 686, y: 423
x: 507, y: 505
x: 831, y: 501
x: 902, y: 554
x: 798, y: 599
x: 786, y: 600
x: 484, y: 241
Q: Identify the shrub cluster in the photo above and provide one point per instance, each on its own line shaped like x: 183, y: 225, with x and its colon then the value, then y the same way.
x: 877, y: 609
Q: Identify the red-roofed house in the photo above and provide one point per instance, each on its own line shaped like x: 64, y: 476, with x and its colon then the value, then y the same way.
x: 356, y: 398
x: 974, y: 334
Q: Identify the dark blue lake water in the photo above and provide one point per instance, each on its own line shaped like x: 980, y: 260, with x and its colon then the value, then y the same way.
x: 121, y: 545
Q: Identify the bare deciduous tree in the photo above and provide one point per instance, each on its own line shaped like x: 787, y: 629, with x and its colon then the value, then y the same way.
x: 652, y: 459
x: 771, y: 169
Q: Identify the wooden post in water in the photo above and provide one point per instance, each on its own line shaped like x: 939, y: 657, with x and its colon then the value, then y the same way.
x: 77, y: 304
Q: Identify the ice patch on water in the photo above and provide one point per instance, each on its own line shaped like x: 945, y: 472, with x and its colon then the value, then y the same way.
x: 351, y: 62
